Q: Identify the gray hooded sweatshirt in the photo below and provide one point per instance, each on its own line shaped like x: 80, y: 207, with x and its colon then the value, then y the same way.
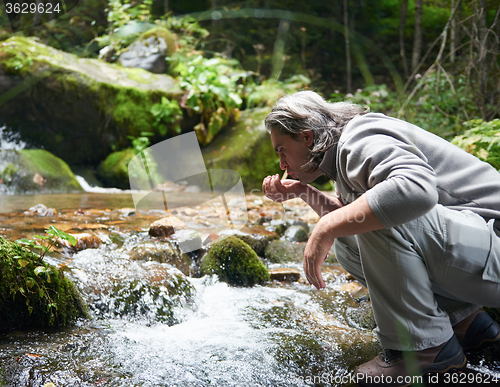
x: 405, y: 171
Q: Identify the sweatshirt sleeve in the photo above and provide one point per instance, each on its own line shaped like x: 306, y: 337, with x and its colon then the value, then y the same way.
x: 398, y: 182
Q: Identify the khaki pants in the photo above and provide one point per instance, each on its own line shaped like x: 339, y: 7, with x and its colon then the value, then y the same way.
x: 426, y: 275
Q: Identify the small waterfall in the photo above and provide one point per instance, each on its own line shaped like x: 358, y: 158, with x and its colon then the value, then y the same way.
x: 9, y: 143
x: 10, y: 140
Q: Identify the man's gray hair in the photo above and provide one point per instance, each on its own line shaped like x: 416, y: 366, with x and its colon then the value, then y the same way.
x: 307, y: 110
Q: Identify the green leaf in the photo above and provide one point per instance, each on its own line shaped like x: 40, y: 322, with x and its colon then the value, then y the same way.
x: 62, y: 235
x: 40, y: 269
x: 23, y: 262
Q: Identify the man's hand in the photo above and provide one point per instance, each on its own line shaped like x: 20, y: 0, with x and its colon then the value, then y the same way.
x: 317, y: 249
x: 281, y: 191
x: 354, y: 218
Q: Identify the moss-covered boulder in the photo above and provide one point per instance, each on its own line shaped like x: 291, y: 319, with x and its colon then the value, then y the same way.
x: 35, y: 170
x: 145, y: 300
x: 282, y: 251
x: 234, y: 262
x: 34, y: 294
x: 113, y: 171
x: 257, y: 242
x: 245, y: 147
x: 77, y: 108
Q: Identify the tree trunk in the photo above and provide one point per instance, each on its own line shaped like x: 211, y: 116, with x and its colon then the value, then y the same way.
x: 417, y: 40
x: 347, y: 47
x: 165, y: 7
x: 403, y: 11
x: 453, y: 33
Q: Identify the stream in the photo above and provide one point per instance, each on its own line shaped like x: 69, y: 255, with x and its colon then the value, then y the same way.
x: 157, y: 323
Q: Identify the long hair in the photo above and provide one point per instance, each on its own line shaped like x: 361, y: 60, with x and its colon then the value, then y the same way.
x: 307, y: 110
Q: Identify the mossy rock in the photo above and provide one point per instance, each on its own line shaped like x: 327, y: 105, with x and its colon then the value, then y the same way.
x: 141, y: 299
x: 34, y: 294
x: 245, y: 147
x: 281, y: 251
x: 234, y: 262
x: 36, y: 170
x: 113, y: 171
x: 297, y: 233
x: 77, y: 108
x: 257, y: 242
x: 162, y: 252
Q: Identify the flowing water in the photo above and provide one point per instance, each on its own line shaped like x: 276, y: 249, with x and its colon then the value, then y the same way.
x: 213, y: 334
x: 157, y: 323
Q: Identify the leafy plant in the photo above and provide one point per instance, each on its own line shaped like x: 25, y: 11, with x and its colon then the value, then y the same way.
x: 141, y: 142
x: 167, y: 113
x: 212, y: 90
x: 441, y: 104
x: 482, y: 139
x: 123, y: 12
x: 33, y: 276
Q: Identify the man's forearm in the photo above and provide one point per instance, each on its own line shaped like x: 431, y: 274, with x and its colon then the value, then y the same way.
x: 319, y: 202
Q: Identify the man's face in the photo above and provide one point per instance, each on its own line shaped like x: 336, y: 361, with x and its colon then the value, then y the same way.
x: 293, y: 154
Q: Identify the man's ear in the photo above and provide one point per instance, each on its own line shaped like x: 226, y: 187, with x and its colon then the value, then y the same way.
x: 308, y: 137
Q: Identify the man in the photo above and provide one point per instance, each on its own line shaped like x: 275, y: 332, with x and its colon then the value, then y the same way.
x: 416, y: 220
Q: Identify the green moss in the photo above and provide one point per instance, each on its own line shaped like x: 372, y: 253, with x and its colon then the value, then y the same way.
x: 139, y: 299
x: 57, y: 173
x: 163, y: 33
x: 18, y: 174
x: 256, y: 242
x: 34, y: 293
x: 16, y: 57
x: 132, y: 109
x: 75, y: 101
x: 113, y: 171
x: 234, y: 262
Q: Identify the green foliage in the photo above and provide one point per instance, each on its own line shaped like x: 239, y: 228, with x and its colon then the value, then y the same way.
x: 140, y: 143
x: 31, y: 289
x: 123, y: 12
x: 233, y: 261
x: 212, y: 90
x: 167, y: 113
x: 269, y: 91
x: 482, y: 140
x: 441, y: 104
x: 378, y: 98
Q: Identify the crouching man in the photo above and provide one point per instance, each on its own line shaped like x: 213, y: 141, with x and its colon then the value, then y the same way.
x: 415, y: 219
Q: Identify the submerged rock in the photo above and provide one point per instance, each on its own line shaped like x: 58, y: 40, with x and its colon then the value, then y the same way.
x: 297, y: 233
x: 279, y: 251
x: 285, y: 274
x: 34, y: 294
x: 234, y: 262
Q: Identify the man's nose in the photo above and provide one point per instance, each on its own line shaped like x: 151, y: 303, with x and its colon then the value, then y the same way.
x: 283, y: 164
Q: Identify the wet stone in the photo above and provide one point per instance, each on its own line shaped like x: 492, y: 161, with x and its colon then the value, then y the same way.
x: 285, y: 274
x: 297, y: 233
x: 166, y: 226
